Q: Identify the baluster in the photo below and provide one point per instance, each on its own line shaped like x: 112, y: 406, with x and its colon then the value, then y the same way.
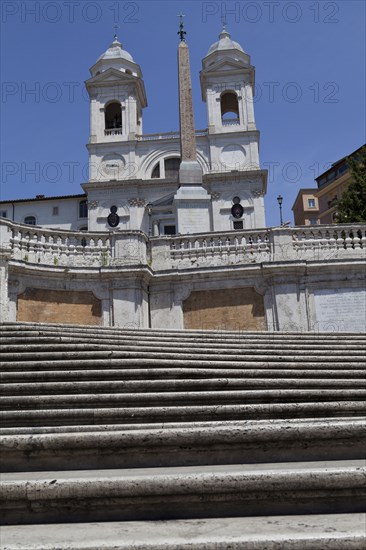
x: 363, y: 239
x: 219, y: 245
x: 181, y: 247
x: 357, y: 238
x: 348, y: 240
x: 227, y: 247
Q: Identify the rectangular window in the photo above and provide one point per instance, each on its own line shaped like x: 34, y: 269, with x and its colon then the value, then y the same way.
x: 313, y: 221
x: 343, y: 168
x: 169, y: 230
x: 238, y: 225
x: 3, y: 214
x: 311, y: 203
x: 55, y: 211
x: 83, y: 209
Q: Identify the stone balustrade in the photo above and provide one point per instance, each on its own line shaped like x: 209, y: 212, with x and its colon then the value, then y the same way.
x: 113, y: 132
x: 167, y: 135
x: 220, y: 248
x: 63, y: 248
x: 329, y: 241
x: 230, y: 122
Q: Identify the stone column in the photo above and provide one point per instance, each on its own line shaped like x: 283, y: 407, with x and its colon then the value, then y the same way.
x: 192, y: 202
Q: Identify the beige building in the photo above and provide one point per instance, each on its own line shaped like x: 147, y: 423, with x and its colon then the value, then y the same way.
x: 306, y: 208
x: 318, y: 206
x: 331, y: 186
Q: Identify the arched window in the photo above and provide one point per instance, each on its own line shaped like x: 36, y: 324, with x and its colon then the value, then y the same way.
x: 229, y: 108
x: 30, y: 220
x: 113, y: 116
x: 83, y: 209
x: 172, y: 168
x: 156, y: 172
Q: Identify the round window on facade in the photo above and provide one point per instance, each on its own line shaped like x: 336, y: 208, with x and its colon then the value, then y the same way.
x: 237, y: 211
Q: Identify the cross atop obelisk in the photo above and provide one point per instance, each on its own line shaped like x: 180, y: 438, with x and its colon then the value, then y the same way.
x: 181, y: 31
x: 192, y: 202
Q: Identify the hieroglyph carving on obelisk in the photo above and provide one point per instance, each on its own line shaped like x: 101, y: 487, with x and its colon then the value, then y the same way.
x: 186, y: 119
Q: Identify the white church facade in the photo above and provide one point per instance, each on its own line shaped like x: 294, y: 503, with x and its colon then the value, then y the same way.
x: 169, y: 231
x: 139, y: 173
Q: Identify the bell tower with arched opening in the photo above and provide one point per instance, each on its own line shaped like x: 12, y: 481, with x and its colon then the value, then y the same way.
x: 227, y: 82
x: 117, y: 98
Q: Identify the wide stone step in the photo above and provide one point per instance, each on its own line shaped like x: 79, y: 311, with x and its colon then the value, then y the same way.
x: 184, y: 445
x: 296, y: 532
x: 184, y: 492
x: 146, y: 385
x: 179, y: 373
x: 107, y: 342
x: 37, y: 430
x: 95, y: 342
x: 161, y: 399
x: 184, y: 413
x: 87, y: 330
x: 186, y: 355
x: 207, y: 355
x: 175, y: 363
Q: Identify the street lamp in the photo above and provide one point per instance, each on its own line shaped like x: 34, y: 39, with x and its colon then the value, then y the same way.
x: 279, y: 200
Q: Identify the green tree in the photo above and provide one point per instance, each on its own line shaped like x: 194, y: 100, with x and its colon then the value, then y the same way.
x: 351, y: 207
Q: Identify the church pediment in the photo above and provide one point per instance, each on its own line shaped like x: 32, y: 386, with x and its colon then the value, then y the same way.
x: 226, y: 64
x: 109, y: 76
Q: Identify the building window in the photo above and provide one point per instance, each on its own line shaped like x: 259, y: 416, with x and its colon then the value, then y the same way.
x: 238, y: 225
x: 229, y: 108
x: 55, y: 211
x: 311, y: 203
x: 313, y: 221
x: 30, y: 220
x: 156, y: 172
x: 343, y: 168
x: 113, y: 116
x: 169, y: 230
x: 3, y: 214
x: 172, y: 168
x: 83, y: 209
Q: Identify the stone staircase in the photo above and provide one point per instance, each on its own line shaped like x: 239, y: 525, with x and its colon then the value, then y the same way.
x: 154, y: 439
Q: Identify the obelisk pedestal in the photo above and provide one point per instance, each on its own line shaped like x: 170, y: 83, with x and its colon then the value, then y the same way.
x: 192, y: 202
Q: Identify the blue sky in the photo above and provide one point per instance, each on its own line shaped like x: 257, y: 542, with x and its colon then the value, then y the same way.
x: 310, y: 74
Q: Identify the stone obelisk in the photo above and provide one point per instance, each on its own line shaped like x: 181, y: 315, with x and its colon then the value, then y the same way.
x: 192, y: 202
